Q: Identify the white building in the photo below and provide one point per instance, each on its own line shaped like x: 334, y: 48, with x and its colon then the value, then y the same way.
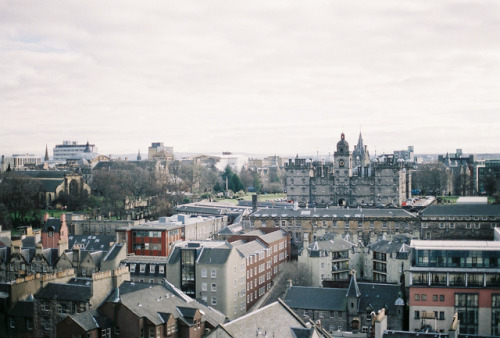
x: 71, y: 150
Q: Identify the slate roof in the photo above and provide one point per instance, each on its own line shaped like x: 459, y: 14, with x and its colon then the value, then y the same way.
x: 54, y: 223
x: 333, y: 213
x: 275, y: 319
x: 248, y: 248
x: 331, y: 245
x: 29, y: 242
x: 113, y: 252
x: 217, y: 256
x: 149, y: 300
x: 377, y: 296
x: 49, y: 179
x: 91, y: 320
x: 91, y: 243
x: 321, y: 299
x: 399, y: 243
x: 373, y: 295
x: 23, y: 308
x: 72, y: 292
x: 5, y: 241
x: 462, y: 210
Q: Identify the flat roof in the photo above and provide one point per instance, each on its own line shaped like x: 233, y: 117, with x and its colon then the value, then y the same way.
x: 455, y: 245
x: 472, y: 200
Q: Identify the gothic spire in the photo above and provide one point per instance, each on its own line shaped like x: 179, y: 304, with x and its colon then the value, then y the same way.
x: 46, y: 153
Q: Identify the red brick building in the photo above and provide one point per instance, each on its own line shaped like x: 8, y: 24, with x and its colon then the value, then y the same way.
x: 266, y: 251
x: 55, y: 233
x: 150, y: 239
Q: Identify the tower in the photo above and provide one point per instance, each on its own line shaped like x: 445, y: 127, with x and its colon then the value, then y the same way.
x: 46, y: 158
x: 343, y: 171
x: 139, y: 155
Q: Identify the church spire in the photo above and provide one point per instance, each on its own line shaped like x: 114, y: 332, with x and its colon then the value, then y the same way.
x: 46, y: 153
x: 139, y: 155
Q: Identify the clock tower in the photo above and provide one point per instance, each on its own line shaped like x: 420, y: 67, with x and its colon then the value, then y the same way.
x: 342, y: 172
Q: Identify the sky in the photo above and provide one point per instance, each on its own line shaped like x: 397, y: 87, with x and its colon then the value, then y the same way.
x: 260, y: 76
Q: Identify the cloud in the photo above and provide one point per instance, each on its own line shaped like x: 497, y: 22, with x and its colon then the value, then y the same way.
x: 254, y: 76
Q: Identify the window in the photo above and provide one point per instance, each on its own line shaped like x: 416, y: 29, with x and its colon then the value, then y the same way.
x: 213, y: 273
x: 213, y: 300
x: 161, y: 269
x: 203, y: 272
x: 213, y: 287
x: 434, y: 298
x: 142, y: 268
x: 417, y: 315
x: 423, y: 297
x: 441, y: 298
x: 132, y: 268
x: 29, y: 324
x: 417, y: 297
x: 152, y: 268
x: 203, y: 286
x: 12, y: 323
x: 441, y: 315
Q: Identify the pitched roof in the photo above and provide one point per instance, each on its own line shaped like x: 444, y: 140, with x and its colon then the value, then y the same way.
x: 73, y: 292
x: 314, y: 298
x: 462, y: 210
x: 149, y: 300
x: 397, y: 244
x: 23, y: 308
x: 53, y: 224
x: 275, y: 319
x: 91, y: 243
x: 333, y: 213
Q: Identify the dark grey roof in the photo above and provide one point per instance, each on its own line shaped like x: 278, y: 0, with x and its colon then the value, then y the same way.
x: 276, y: 319
x: 114, y: 251
x: 149, y: 300
x: 86, y: 320
x: 73, y: 292
x: 315, y: 298
x: 462, y: 210
x: 5, y: 241
x: 353, y: 289
x: 217, y: 256
x: 377, y: 296
x: 23, y: 308
x: 302, y: 332
x: 53, y: 224
x: 91, y: 243
x: 399, y: 243
x: 199, y: 210
x: 333, y: 213
x: 29, y: 242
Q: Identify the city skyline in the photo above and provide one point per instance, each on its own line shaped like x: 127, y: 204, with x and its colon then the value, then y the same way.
x: 250, y: 77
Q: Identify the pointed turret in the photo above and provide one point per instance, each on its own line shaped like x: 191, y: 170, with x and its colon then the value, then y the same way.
x: 46, y: 158
x: 139, y: 155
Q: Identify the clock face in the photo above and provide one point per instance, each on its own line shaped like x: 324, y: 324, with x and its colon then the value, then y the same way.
x: 341, y: 163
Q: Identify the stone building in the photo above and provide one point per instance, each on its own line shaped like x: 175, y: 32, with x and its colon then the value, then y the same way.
x: 459, y: 222
x: 348, y: 179
x: 359, y: 224
x: 56, y: 301
x: 345, y: 309
x: 213, y: 272
x: 387, y: 259
x: 330, y: 259
x: 143, y: 310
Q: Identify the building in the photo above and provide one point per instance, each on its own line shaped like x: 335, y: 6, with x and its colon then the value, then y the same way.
x: 359, y: 223
x: 143, y: 310
x: 387, y: 259
x: 462, y: 173
x: 488, y: 175
x: 71, y: 150
x: 213, y: 272
x: 448, y: 277
x: 273, y: 320
x: 343, y: 309
x: 266, y: 252
x: 151, y: 239
x: 146, y: 269
x: 348, y: 179
x: 459, y: 221
x: 55, y: 233
x: 330, y: 259
x: 158, y: 151
x: 56, y: 301
x: 99, y: 227
x: 19, y: 162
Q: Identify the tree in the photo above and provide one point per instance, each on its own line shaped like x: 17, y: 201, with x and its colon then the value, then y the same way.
x: 20, y: 195
x: 431, y: 178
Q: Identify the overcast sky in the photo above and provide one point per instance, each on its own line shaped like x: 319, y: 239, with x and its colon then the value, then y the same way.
x: 271, y: 77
